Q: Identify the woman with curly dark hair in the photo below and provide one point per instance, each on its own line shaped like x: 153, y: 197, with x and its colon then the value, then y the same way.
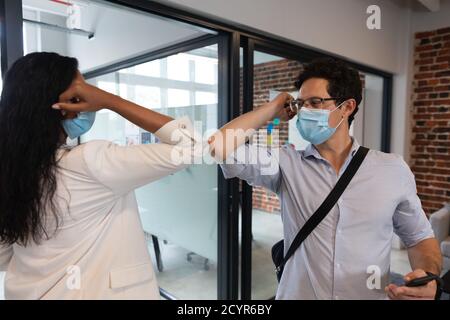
x: 69, y: 223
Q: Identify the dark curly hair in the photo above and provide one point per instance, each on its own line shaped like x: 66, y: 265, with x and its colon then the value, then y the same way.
x: 30, y: 134
x: 343, y: 82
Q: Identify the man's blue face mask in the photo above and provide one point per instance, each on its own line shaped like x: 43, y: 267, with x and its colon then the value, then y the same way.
x: 80, y: 125
x: 313, y: 124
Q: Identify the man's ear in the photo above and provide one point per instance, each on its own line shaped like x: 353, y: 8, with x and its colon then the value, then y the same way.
x: 349, y: 107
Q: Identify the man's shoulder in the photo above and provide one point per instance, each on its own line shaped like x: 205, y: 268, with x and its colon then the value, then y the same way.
x: 380, y: 158
x: 385, y: 157
x: 289, y: 149
x: 289, y: 152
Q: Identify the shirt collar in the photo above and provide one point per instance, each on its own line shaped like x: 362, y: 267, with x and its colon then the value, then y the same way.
x: 311, y: 150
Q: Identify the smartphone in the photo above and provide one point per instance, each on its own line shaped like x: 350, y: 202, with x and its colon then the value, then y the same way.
x: 420, y: 281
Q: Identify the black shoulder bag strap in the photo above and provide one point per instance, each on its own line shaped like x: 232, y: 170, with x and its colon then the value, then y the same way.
x: 326, y: 206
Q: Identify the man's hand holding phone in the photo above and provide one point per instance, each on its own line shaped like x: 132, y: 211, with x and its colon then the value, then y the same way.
x: 419, y: 285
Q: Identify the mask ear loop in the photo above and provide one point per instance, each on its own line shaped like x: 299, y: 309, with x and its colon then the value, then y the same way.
x: 338, y: 106
x: 342, y: 116
x: 339, y: 123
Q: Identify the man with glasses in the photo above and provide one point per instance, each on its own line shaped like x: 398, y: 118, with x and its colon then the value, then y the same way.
x: 348, y: 255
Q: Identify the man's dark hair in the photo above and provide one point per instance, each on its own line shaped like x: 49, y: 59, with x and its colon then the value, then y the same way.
x: 343, y: 81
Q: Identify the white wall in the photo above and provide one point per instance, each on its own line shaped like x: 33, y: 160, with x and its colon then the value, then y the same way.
x: 373, y: 97
x: 335, y: 26
x: 425, y: 21
x: 401, y: 91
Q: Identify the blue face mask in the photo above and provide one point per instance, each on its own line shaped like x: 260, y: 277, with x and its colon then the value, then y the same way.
x: 80, y: 125
x: 313, y: 125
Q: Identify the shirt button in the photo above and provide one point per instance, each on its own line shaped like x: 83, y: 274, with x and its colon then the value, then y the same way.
x: 338, y: 265
x: 339, y: 231
x: 336, y: 297
x: 183, y: 126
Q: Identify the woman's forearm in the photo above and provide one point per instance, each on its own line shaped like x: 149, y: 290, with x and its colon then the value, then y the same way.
x: 145, y: 118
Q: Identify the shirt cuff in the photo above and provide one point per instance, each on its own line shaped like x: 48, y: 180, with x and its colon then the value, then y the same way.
x: 177, y: 131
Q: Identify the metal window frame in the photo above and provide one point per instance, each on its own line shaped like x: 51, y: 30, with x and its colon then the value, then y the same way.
x: 10, y: 33
x: 161, y: 53
x: 386, y: 114
x: 247, y: 190
x: 228, y: 206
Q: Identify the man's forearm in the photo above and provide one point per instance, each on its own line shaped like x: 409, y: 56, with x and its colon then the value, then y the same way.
x: 426, y: 255
x: 238, y: 131
x: 145, y: 118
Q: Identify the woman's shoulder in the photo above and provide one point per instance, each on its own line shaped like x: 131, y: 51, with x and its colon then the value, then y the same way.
x: 95, y: 143
x: 79, y: 159
x: 78, y: 149
x: 73, y: 156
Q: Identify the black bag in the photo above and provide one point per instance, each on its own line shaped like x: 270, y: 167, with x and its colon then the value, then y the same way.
x: 278, y: 249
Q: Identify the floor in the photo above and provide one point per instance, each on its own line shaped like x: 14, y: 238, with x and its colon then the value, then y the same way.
x: 191, y: 280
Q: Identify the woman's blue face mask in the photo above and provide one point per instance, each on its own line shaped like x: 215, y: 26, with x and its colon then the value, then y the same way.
x: 312, y: 124
x: 79, y: 125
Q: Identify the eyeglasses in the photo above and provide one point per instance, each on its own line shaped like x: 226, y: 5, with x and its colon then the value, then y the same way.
x: 314, y: 102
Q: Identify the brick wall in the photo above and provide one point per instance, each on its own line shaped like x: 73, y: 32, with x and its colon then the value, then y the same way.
x: 430, y: 153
